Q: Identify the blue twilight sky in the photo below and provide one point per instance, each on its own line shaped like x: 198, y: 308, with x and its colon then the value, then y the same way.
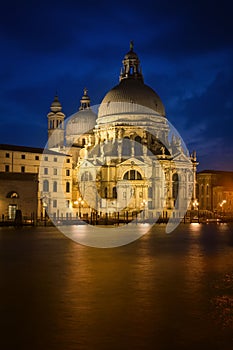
x: 185, y: 49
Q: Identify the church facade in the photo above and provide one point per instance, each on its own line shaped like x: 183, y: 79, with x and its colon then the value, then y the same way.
x: 127, y: 158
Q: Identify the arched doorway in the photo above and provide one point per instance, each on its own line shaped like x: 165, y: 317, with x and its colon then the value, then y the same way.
x: 12, y: 206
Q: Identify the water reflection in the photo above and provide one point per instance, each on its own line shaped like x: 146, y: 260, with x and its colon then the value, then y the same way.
x: 162, y: 290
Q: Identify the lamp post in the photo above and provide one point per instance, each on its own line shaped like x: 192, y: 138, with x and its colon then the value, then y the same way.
x: 196, y: 207
x: 222, y: 207
x: 80, y: 203
x: 143, y: 204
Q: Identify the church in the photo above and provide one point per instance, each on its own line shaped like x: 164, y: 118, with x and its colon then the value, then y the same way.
x: 127, y: 158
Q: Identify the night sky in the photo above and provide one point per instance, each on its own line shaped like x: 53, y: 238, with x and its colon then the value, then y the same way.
x: 186, y: 54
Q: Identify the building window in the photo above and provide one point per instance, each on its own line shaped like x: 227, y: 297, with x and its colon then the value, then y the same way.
x: 67, y: 187
x: 45, y: 186
x: 54, y: 203
x: 46, y: 171
x: 22, y: 156
x: 55, y: 186
x: 55, y: 159
x: 67, y: 172
x: 46, y: 159
x: 67, y: 160
x: 37, y: 158
x: 114, y: 192
x: 22, y: 169
x: 67, y: 203
x: 55, y: 171
x: 7, y: 168
x: 7, y: 155
x: 207, y: 190
x: 132, y: 175
x: 86, y: 176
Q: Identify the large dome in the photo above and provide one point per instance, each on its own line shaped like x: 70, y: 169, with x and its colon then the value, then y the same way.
x: 134, y: 92
x: 131, y: 95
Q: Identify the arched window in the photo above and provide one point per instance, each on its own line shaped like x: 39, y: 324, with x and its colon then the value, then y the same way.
x: 86, y: 176
x: 67, y: 186
x: 55, y: 186
x: 132, y: 175
x: 45, y: 186
x: 12, y: 194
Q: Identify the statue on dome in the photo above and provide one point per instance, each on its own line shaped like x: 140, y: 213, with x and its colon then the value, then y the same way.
x: 131, y: 45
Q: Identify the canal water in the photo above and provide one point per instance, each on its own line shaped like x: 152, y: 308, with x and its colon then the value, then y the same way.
x: 163, y: 291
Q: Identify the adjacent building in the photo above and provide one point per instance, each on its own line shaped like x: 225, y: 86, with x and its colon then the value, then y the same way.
x: 215, y: 191
x: 32, y: 180
x: 126, y: 157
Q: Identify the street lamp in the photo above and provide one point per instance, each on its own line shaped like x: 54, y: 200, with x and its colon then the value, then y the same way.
x: 80, y: 203
x: 196, y: 207
x: 221, y: 205
x: 143, y: 204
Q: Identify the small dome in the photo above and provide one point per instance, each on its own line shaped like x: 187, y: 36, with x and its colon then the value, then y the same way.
x: 81, y: 122
x: 56, y: 105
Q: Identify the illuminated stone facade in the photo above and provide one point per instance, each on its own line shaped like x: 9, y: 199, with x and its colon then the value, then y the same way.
x: 128, y: 158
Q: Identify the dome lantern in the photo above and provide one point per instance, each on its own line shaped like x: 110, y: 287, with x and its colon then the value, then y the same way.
x: 85, y: 100
x: 56, y: 105
x: 131, y: 66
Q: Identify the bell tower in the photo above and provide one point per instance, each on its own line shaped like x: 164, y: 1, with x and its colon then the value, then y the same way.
x: 56, y: 125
